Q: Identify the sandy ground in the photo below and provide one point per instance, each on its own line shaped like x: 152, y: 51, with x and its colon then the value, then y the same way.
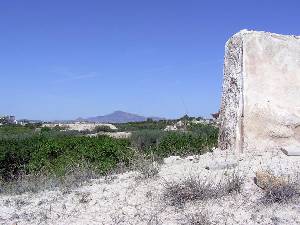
x: 129, y: 199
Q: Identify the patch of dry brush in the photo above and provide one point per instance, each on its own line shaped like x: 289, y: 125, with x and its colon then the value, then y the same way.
x: 198, y: 189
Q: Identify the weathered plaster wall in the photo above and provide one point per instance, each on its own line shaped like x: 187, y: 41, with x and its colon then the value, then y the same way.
x: 231, y: 97
x: 264, y: 111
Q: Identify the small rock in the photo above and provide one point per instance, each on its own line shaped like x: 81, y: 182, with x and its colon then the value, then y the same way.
x: 266, y: 180
x: 291, y: 150
x: 14, y: 216
x: 190, y: 158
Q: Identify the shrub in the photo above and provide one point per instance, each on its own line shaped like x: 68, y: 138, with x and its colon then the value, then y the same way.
x: 144, y: 125
x: 59, y: 127
x: 191, y: 189
x: 182, y: 144
x: 74, y: 178
x: 164, y: 144
x: 283, y: 193
x: 45, y: 129
x: 57, y: 154
x: 15, y: 131
x: 195, y: 189
x: 51, y: 151
x: 145, y: 165
x: 146, y: 140
x: 34, y: 125
x: 233, y: 183
x: 206, y: 131
x: 103, y: 128
x: 200, y: 218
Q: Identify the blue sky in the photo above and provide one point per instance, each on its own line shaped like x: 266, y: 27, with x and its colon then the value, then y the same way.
x: 64, y: 59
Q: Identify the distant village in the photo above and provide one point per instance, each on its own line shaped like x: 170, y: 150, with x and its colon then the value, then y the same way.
x: 10, y: 120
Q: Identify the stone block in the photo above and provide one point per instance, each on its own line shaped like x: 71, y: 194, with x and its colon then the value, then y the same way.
x: 291, y: 150
x: 266, y: 180
x: 260, y: 106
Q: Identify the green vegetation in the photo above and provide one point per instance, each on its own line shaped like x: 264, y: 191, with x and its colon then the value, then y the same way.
x: 57, y: 155
x: 146, y: 140
x: 198, y: 139
x: 103, y: 128
x: 146, y: 125
x: 13, y: 131
x: 32, y: 150
x: 182, y: 144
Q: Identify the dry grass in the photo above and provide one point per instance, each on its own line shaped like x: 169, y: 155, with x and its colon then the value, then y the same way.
x: 76, y: 177
x: 149, y: 170
x: 196, y: 189
x: 281, y: 189
x: 35, y: 183
x: 200, y: 218
x: 233, y: 184
x: 147, y: 167
x: 28, y: 183
x: 284, y: 193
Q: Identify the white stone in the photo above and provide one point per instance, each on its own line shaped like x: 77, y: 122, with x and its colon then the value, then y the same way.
x: 291, y: 150
x: 260, y: 107
x: 222, y: 166
x: 180, y: 124
x: 170, y: 128
x: 172, y: 159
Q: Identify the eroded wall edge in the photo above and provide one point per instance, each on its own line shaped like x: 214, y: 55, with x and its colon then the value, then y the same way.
x: 230, y: 136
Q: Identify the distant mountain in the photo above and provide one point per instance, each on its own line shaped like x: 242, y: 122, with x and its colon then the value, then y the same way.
x: 118, y: 117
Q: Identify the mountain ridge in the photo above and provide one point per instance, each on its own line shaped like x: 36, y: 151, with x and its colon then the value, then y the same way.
x: 118, y: 116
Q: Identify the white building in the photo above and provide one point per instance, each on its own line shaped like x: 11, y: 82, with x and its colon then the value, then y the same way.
x: 8, y: 120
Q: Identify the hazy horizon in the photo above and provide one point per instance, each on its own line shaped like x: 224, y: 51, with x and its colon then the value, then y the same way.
x: 66, y: 59
x: 92, y: 116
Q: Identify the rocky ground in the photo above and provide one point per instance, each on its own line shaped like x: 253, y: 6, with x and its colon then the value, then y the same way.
x: 81, y: 126
x: 118, y: 135
x: 158, y: 196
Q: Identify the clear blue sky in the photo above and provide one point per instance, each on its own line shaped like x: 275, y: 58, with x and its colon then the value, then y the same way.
x: 63, y: 59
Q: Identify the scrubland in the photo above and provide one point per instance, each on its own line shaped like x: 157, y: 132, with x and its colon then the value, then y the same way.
x: 154, y: 177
